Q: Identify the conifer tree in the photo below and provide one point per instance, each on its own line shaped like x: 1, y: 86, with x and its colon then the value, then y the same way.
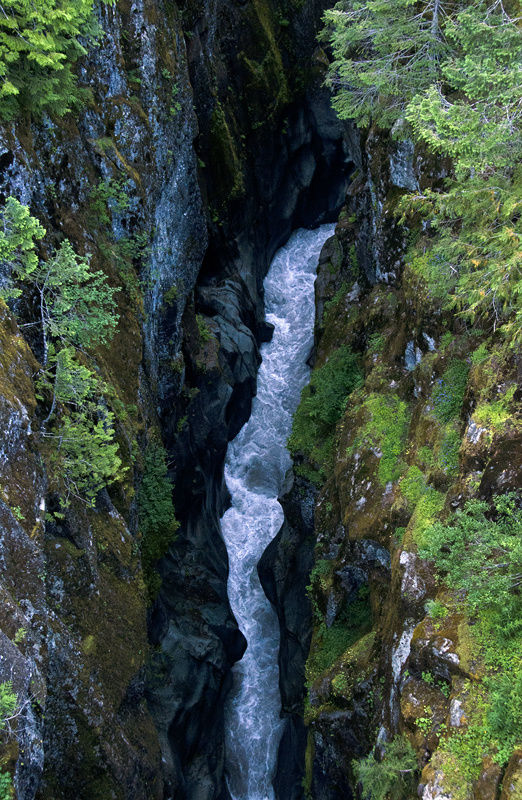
x: 40, y: 40
x: 76, y: 311
x: 452, y: 70
x: 384, y: 54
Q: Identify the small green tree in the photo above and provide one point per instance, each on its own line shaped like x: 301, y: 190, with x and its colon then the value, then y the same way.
x: 76, y: 310
x: 18, y: 233
x: 473, y: 113
x: 391, y: 777
x: 8, y: 703
x: 8, y: 709
x: 156, y: 518
x: 451, y: 69
x: 84, y: 456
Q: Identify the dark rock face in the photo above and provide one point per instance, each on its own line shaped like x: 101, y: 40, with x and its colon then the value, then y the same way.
x: 284, y: 571
x: 291, y: 172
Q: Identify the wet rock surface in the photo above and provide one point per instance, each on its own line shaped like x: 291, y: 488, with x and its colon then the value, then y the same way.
x: 284, y: 571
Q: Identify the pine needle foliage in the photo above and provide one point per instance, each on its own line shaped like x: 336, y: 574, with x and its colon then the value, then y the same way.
x: 40, y: 41
x: 76, y: 310
x: 452, y: 70
x: 393, y: 776
x: 156, y: 518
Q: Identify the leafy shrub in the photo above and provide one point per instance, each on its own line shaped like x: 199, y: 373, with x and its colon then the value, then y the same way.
x: 479, y: 553
x: 322, y: 404
x: 448, y: 392
x: 448, y: 451
x: 496, y: 413
x: 428, y: 507
x: 6, y: 786
x: 8, y: 705
x: 156, y: 519
x: 391, y: 778
x: 480, y: 354
x: 413, y: 485
x: 330, y: 643
x: 203, y: 329
x: 436, y: 609
x: 8, y: 702
x: 385, y: 431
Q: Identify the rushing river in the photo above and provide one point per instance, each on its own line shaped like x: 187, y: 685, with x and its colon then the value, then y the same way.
x: 257, y: 460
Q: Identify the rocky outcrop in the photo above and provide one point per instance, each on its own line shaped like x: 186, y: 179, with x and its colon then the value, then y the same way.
x: 284, y: 572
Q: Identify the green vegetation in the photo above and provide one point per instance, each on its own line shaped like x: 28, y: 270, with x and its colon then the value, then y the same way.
x: 5, y: 786
x: 448, y: 392
x: 391, y: 778
x: 156, y: 519
x: 329, y: 643
x: 8, y: 706
x: 385, y: 431
x: 496, y: 413
x: 448, y: 451
x: 449, y: 74
x: 111, y: 194
x: 112, y: 198
x: 376, y: 343
x: 76, y: 311
x: 8, y: 703
x: 478, y: 552
x: 204, y: 331
x: 413, y: 485
x: 428, y: 507
x: 322, y: 404
x: 40, y: 42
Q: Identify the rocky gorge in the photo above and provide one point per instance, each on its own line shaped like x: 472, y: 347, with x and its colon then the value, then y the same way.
x: 207, y: 139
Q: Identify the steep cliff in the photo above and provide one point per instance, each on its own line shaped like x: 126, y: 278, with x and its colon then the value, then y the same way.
x: 205, y: 141
x: 401, y: 666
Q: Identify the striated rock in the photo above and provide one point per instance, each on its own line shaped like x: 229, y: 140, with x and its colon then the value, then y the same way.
x: 512, y: 780
x: 284, y: 572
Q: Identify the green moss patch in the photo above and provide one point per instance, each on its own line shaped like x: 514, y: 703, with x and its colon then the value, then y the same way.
x: 385, y: 431
x: 448, y: 393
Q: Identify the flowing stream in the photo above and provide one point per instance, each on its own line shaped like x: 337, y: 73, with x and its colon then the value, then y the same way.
x: 256, y: 464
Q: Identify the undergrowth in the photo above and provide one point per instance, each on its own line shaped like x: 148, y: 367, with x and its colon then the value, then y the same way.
x: 322, y: 404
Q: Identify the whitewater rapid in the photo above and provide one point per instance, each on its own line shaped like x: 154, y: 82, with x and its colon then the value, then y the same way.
x: 256, y: 464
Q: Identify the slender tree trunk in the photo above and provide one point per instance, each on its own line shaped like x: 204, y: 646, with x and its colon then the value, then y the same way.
x: 44, y: 332
x: 435, y: 19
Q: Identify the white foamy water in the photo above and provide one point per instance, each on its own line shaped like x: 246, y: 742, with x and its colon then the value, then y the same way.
x: 256, y: 463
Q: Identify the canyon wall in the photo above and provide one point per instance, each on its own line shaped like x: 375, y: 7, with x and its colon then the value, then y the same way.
x: 396, y: 655
x: 206, y: 140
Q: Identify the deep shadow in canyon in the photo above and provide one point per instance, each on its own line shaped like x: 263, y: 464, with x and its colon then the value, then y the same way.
x: 298, y: 179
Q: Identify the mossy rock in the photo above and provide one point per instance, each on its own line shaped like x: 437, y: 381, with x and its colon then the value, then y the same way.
x: 512, y: 780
